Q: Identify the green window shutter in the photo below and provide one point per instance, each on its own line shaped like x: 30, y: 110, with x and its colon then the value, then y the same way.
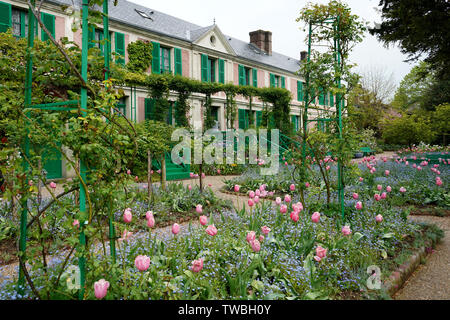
x: 91, y: 36
x: 271, y: 121
x: 241, y: 75
x: 222, y: 71
x: 331, y: 99
x: 321, y: 97
x: 178, y: 61
x: 156, y: 60
x: 326, y: 98
x: 294, y: 123
x: 241, y: 116
x: 5, y: 16
x: 299, y: 91
x: 49, y: 23
x: 149, y: 109
x: 272, y: 80
x: 255, y: 78
x: 120, y: 47
x: 258, y: 118
x: 170, y: 114
x: 283, y: 82
x: 204, y: 68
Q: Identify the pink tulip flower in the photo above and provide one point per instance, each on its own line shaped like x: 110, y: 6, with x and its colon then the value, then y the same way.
x: 297, y: 207
x: 148, y: 215
x: 256, y: 245
x: 142, y: 263
x: 256, y: 199
x: 203, y: 220
x: 218, y: 171
x: 175, y: 228
x: 361, y: 179
x: 379, y: 218
x: 189, y: 187
x: 251, y: 194
x: 377, y: 197
x: 251, y: 203
x: 250, y: 236
x: 315, y: 217
x: 101, y: 288
x: 191, y: 174
x: 379, y: 187
x: 294, y: 216
x: 386, y: 172
x: 258, y: 192
x: 321, y: 252
x: 283, y: 208
x: 388, y: 189
x: 402, y: 190
x: 52, y: 185
x: 265, y: 230
x: 358, y: 205
x: 127, y: 216
x: 355, y: 196
x: 211, y: 230
x: 261, y: 238
x: 203, y: 175
x: 76, y: 223
x: 287, y: 198
x: 199, y: 208
x: 307, y: 184
x: 278, y: 200
x: 128, y: 172
x: 292, y: 187
x: 197, y: 265
x: 125, y: 235
x: 346, y: 230
x: 383, y: 195
x: 151, y: 222
x: 236, y: 188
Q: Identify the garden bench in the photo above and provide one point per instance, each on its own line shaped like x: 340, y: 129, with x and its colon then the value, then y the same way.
x: 367, y: 151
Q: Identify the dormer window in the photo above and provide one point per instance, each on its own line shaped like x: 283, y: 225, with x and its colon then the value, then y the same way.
x: 143, y: 14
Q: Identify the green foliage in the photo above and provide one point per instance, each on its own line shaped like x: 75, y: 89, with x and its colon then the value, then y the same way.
x: 408, y: 130
x: 139, y: 56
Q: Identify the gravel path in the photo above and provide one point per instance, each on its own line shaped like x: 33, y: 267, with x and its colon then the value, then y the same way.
x: 431, y: 281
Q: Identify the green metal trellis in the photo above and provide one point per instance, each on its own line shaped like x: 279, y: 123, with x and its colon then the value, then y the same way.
x: 336, y: 48
x: 63, y: 106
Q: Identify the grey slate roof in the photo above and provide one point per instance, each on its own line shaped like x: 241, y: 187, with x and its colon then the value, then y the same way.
x: 164, y: 24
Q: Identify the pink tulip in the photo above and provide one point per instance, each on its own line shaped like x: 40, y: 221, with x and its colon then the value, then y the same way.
x: 355, y: 196
x: 283, y: 208
x: 256, y: 199
x: 142, y: 263
x: 388, y: 189
x: 377, y: 197
x: 358, y: 205
x: 52, y: 185
x: 383, y: 195
x: 402, y: 190
x: 287, y: 198
x: 175, y: 228
x: 321, y: 252
x: 211, y: 230
x: 101, y: 288
x: 346, y: 230
x: 136, y: 178
x: 292, y: 187
x: 256, y: 245
x: 379, y: 187
x: 209, y: 185
x: 361, y: 179
x: 203, y: 175
x: 125, y: 235
x: 262, y: 187
x: 265, y: 230
x: 236, y: 188
x: 414, y: 165
x: 148, y: 215
x: 218, y: 171
x: 315, y: 217
x: 327, y: 168
x: 128, y: 172
x: 151, y: 222
x: 251, y: 236
x: 189, y: 187
x: 251, y: 194
x: 127, y: 216
x: 261, y: 238
x: 278, y: 200
x: 379, y: 218
x: 294, y: 216
x: 76, y: 223
x: 199, y: 208
x: 191, y: 174
x: 258, y: 192
x: 203, y: 220
x: 251, y: 203
x: 439, y: 182
x: 307, y: 184
x: 197, y: 265
x: 297, y: 207
x: 386, y: 172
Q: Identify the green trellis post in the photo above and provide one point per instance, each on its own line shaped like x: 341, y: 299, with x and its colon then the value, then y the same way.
x: 338, y: 106
x: 54, y: 106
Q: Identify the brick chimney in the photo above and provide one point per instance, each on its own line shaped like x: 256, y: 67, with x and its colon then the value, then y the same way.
x: 262, y: 39
x: 303, y: 55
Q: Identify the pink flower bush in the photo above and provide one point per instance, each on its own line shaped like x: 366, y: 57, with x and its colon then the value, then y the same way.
x: 142, y: 263
x: 211, y: 230
x: 346, y: 230
x: 101, y: 288
x: 203, y: 220
x: 315, y: 217
x: 175, y: 228
x: 197, y: 265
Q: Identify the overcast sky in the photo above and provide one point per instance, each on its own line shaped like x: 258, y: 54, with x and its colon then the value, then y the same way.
x: 237, y: 18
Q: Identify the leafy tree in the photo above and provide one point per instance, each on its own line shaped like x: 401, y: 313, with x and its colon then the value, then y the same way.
x: 441, y: 121
x: 419, y: 28
x: 408, y: 130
